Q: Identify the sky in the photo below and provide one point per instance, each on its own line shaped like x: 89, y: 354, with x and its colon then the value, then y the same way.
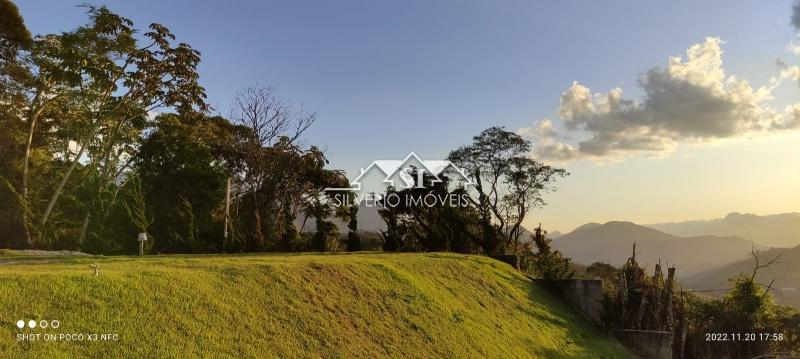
x: 660, y: 111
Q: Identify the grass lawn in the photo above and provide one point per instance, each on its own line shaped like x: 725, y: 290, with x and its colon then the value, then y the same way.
x: 364, y: 305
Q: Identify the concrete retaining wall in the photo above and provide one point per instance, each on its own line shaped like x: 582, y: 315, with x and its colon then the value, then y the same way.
x: 585, y: 295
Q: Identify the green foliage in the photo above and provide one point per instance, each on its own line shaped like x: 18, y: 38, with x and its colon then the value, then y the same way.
x: 326, y: 237
x: 546, y: 263
x: 135, y: 206
x: 747, y: 309
x: 449, y: 225
x: 743, y: 321
x: 77, y: 104
x: 604, y: 271
x: 183, y: 181
x: 11, y: 215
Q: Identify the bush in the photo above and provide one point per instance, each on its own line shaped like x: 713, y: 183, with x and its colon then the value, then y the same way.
x: 546, y: 263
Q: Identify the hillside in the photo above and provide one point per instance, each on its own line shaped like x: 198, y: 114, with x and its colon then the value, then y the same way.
x: 786, y: 273
x: 612, y: 243
x: 777, y: 230
x: 288, y: 305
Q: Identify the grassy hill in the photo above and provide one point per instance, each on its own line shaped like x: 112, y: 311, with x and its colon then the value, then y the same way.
x: 289, y: 305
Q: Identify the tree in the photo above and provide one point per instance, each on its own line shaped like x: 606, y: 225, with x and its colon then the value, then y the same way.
x: 353, y: 239
x: 319, y: 204
x: 14, y: 74
x: 526, y: 180
x: 111, y: 82
x: 429, y: 216
x: 136, y: 207
x: 394, y: 237
x: 747, y: 308
x: 507, y: 184
x: 183, y: 179
x: 266, y: 173
x: 548, y: 263
x: 744, y: 320
x: 13, y: 33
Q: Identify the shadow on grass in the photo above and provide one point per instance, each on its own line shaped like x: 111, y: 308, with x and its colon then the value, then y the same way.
x: 562, y: 315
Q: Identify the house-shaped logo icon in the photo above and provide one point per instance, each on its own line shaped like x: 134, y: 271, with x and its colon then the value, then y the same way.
x: 381, y: 174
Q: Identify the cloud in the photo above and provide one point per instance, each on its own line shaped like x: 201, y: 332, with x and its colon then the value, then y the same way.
x: 689, y: 100
x: 541, y: 129
x: 793, y: 48
x: 544, y: 134
x: 791, y: 72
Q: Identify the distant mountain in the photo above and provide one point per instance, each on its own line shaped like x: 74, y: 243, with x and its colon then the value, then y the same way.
x: 587, y: 226
x: 369, y: 220
x: 555, y: 234
x: 786, y: 273
x: 777, y: 230
x: 612, y: 243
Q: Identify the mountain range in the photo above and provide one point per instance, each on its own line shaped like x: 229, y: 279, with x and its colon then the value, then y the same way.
x: 777, y: 230
x: 612, y: 243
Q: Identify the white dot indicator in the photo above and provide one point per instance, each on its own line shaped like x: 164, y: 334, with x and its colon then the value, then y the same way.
x: 20, y: 324
x: 31, y: 324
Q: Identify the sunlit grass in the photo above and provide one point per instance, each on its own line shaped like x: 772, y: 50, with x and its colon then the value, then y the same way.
x: 290, y: 305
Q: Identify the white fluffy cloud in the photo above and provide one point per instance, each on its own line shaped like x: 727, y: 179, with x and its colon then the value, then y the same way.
x: 690, y: 99
x: 793, y: 48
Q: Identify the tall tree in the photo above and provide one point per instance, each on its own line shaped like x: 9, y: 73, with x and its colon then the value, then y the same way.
x: 526, y: 181
x: 112, y: 82
x: 266, y: 174
x: 183, y: 179
x: 507, y: 183
x: 15, y: 40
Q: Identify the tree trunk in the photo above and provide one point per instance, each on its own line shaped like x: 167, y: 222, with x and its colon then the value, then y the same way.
x: 259, y: 233
x: 227, y: 213
x: 84, y: 228
x: 26, y: 159
x: 32, y: 119
x: 63, y: 182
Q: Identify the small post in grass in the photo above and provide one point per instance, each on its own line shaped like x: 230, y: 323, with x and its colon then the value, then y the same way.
x: 142, y: 239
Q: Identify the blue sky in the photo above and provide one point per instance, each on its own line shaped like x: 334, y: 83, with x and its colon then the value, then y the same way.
x: 387, y: 78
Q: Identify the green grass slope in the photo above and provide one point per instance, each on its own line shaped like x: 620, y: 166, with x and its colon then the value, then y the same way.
x: 311, y: 305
